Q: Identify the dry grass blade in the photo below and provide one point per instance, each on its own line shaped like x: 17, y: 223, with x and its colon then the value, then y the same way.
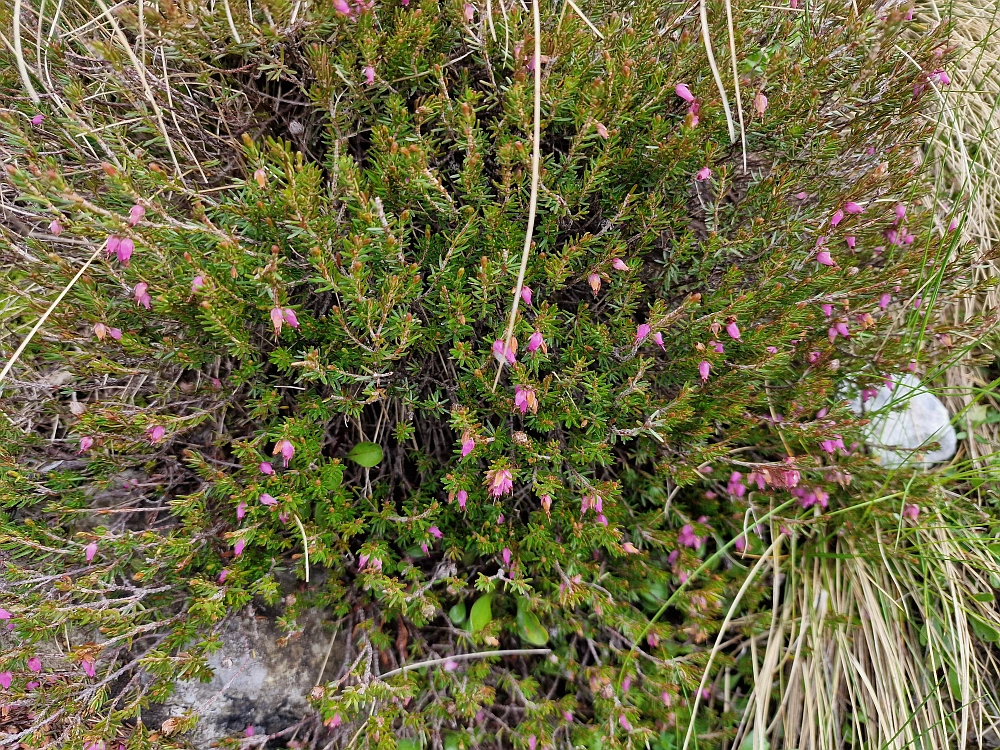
x: 736, y: 80
x: 750, y: 579
x: 707, y: 39
x: 22, y: 66
x: 41, y: 321
x: 533, y: 200
x: 585, y: 19
x: 140, y: 70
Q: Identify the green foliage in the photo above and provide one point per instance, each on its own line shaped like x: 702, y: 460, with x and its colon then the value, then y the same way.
x: 329, y: 263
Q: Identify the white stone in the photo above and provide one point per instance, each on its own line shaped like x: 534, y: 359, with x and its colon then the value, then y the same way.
x: 904, y: 420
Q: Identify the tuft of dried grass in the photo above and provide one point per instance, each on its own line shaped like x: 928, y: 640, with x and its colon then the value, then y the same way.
x: 964, y: 159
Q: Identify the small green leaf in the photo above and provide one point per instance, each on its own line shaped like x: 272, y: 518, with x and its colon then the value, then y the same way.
x: 481, y: 614
x: 452, y: 741
x: 457, y: 613
x: 984, y: 596
x: 528, y: 626
x: 984, y: 631
x: 407, y: 744
x: 531, y: 629
x: 366, y: 454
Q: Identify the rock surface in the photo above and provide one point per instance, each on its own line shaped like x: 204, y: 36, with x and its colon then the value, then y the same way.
x: 906, y: 419
x: 257, y: 680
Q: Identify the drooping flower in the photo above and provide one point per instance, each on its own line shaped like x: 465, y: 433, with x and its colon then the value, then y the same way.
x: 884, y: 300
x: 88, y: 667
x: 838, y: 216
x: 86, y: 443
x: 900, y: 211
x: 733, y: 330
x: 55, y: 227
x: 462, y: 496
x: 267, y: 500
x: 525, y: 399
x: 369, y: 72
x: 90, y: 550
x: 624, y: 723
x: 112, y: 244
x: 735, y: 486
x: 939, y: 75
x: 823, y: 257
x: 718, y: 346
x: 532, y: 742
x: 506, y: 555
x: 100, y: 330
x: 115, y: 333
x: 341, y: 7
x: 38, y: 119
x: 684, y: 92
x: 5, y: 679
x: 223, y: 575
x: 499, y: 482
x: 239, y: 547
x: 503, y: 353
x: 277, y: 320
x: 602, y: 130
x: 249, y: 731
x: 641, y: 332
x: 536, y: 342
x: 703, y: 174
x: 265, y: 468
x: 953, y: 225
x: 197, y: 283
x: 546, y: 501
x: 125, y: 249
x: 468, y: 444
x: 155, y: 433
x: 619, y: 265
x: 289, y: 317
x: 135, y: 214
x: 435, y: 532
x: 595, y: 283
x: 469, y: 11
x: 142, y: 294
x: 241, y: 510
x: 760, y: 103
x: 851, y: 241
x: 286, y: 449
x: 703, y: 369
x: 35, y: 664
x: 630, y: 548
x: 911, y: 512
x: 853, y: 208
x: 526, y: 295
x: 772, y: 350
x: 687, y: 538
x: 658, y: 340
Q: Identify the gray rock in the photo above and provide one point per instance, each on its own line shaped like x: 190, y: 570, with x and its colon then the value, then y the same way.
x: 906, y: 422
x: 262, y: 678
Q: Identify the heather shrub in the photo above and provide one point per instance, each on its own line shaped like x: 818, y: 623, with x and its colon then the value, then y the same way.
x: 290, y: 237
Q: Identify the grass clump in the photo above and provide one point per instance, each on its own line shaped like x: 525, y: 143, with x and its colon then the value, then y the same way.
x: 285, y: 376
